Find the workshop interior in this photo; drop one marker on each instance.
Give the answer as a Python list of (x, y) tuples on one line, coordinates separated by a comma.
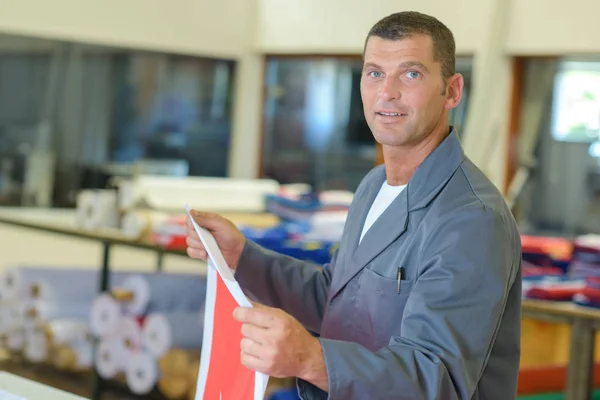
[(115, 115)]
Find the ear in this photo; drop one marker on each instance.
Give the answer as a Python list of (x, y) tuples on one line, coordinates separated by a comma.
[(454, 90)]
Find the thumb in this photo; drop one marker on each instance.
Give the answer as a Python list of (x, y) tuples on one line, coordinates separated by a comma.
[(208, 220), (258, 305)]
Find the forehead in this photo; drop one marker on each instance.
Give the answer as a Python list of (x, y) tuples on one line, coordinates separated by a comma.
[(413, 48)]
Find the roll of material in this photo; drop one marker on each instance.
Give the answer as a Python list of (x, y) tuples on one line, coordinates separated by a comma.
[(126, 198), (97, 209), (15, 339), (165, 293), (142, 373), (130, 333), (165, 331), (178, 361), (75, 357), (67, 332), (36, 346), (203, 193), (55, 285), (105, 315), (51, 284), (11, 316), (110, 359), (174, 386), (37, 312), (139, 224), (193, 379), (3, 294)]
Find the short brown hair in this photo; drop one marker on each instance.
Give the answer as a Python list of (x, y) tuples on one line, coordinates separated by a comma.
[(402, 25)]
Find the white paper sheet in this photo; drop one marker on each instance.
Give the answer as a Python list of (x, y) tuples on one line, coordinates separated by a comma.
[(214, 253), (217, 262), (9, 396)]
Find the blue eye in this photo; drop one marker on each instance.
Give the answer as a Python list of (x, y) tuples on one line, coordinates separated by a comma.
[(375, 74), (413, 74)]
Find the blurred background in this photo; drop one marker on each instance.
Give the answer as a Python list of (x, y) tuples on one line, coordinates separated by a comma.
[(114, 115)]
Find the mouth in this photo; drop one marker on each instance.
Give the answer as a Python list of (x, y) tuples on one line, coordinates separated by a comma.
[(390, 114)]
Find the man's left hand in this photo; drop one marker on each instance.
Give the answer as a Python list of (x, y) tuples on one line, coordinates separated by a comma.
[(276, 344)]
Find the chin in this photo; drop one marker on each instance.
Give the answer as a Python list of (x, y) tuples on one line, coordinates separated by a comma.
[(391, 138)]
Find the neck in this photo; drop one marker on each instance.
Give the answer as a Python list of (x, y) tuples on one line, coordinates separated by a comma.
[(401, 162)]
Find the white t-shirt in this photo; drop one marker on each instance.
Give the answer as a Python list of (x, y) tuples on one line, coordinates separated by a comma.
[(384, 198)]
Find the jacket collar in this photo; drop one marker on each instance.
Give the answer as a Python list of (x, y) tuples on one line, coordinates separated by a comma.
[(427, 181)]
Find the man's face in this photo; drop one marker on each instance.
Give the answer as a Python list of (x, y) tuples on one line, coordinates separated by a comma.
[(402, 90)]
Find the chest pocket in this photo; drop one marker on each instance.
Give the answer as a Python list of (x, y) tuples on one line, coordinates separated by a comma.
[(380, 306)]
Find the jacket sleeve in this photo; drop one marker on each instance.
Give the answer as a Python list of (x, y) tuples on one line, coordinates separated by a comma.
[(297, 287), (452, 314)]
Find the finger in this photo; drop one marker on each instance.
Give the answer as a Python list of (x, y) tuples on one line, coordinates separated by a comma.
[(260, 317), (254, 333), (197, 253), (191, 231), (208, 220), (249, 346), (252, 362), (194, 243)]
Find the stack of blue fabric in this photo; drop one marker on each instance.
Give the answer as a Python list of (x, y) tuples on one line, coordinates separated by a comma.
[(288, 238)]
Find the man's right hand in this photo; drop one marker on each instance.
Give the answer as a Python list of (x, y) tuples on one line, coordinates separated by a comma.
[(229, 238)]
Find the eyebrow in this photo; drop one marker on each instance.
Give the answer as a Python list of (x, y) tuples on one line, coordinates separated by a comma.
[(404, 65), (414, 64)]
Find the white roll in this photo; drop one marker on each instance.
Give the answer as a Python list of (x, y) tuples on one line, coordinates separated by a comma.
[(15, 340), (110, 358), (204, 193), (55, 284), (37, 312), (126, 197), (138, 224), (76, 357), (165, 331), (142, 373), (5, 321), (68, 331), (130, 334), (51, 284), (3, 295), (84, 355), (162, 292), (10, 286), (36, 346), (78, 287), (97, 209), (105, 315), (11, 316)]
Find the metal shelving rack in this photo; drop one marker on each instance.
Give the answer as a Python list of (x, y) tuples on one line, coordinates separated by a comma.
[(107, 239)]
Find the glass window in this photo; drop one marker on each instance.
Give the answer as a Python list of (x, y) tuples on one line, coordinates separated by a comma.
[(560, 117), (314, 130), (172, 107), (576, 104), (87, 111)]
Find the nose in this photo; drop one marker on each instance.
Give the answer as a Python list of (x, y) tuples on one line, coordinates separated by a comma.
[(391, 89)]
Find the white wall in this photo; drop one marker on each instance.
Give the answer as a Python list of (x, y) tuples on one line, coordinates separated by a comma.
[(211, 28), (550, 27), (340, 26)]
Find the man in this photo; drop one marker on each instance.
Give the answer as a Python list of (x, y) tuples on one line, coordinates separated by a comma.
[(422, 299)]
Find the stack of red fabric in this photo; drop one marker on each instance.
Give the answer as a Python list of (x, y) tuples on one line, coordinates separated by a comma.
[(589, 295), (559, 290)]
